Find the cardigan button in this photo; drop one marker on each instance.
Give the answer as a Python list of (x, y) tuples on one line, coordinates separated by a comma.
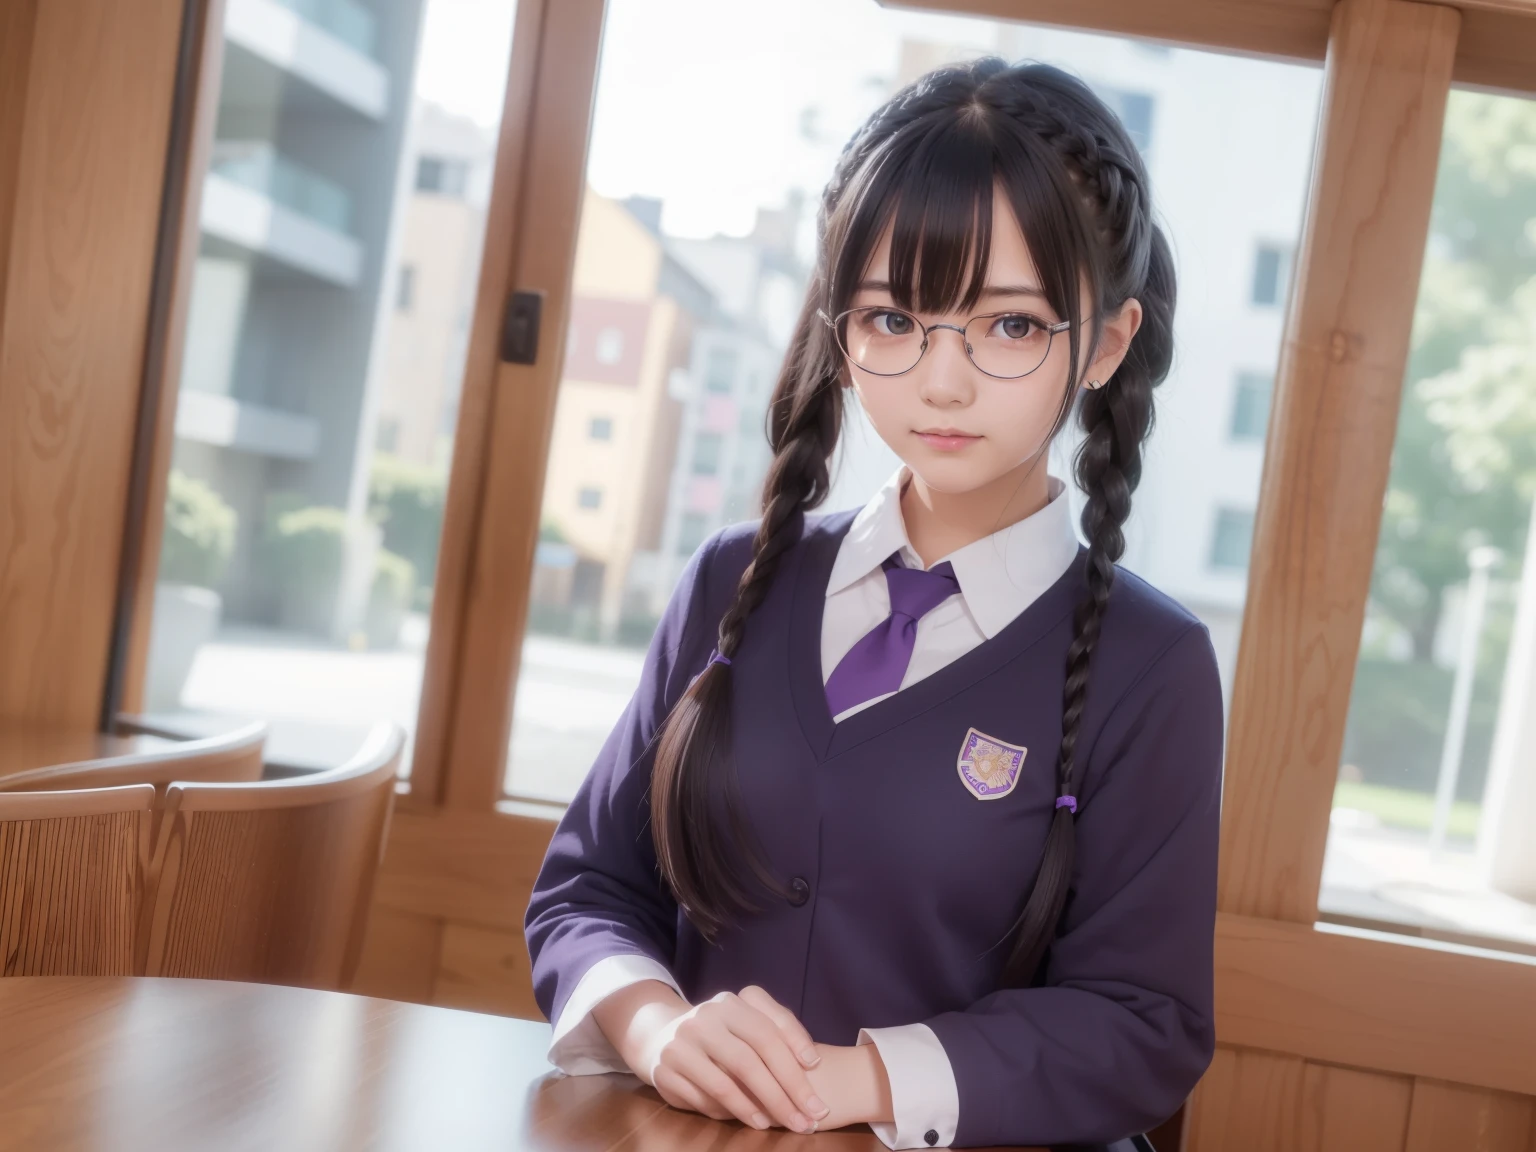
[(930, 1137), (799, 891)]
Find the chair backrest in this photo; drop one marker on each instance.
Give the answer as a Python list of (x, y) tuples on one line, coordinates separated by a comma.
[(272, 881), (72, 880), (230, 756)]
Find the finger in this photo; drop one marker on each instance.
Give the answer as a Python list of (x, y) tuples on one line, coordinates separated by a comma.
[(795, 1033), (680, 1092), (772, 1047), (748, 1068), (700, 1067)]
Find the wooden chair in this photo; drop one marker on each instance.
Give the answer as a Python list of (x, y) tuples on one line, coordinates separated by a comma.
[(232, 756), (72, 880), (272, 881)]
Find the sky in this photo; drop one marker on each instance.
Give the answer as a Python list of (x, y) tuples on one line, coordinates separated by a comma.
[(710, 105)]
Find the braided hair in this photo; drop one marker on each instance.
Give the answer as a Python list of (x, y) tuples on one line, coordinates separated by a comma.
[(925, 165)]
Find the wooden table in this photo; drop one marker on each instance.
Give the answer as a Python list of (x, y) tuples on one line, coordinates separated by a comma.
[(125, 1064), (26, 747)]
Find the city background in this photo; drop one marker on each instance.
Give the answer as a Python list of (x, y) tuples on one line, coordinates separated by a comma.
[(342, 224)]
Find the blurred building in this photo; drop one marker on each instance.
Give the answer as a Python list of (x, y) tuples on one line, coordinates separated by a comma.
[(299, 217), (434, 289)]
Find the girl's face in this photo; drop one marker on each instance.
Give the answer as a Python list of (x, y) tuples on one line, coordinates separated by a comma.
[(954, 426)]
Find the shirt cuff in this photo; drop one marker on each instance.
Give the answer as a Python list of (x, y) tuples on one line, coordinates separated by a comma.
[(925, 1101), (578, 1046)]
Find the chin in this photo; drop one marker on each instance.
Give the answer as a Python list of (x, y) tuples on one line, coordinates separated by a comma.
[(952, 474)]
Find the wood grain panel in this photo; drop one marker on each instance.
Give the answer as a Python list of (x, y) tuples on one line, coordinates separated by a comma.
[(1278, 29), (1368, 1000), (1247, 1100), (487, 971), (1451, 1116), (1345, 1110), (18, 19), (72, 881), (1329, 446), (400, 953), (84, 196), (473, 868)]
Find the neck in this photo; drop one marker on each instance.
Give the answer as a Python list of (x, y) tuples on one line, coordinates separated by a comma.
[(940, 522)]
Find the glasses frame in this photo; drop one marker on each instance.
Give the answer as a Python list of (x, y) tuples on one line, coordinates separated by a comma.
[(1050, 335)]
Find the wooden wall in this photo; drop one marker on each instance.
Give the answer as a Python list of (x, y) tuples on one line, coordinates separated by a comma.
[(86, 90)]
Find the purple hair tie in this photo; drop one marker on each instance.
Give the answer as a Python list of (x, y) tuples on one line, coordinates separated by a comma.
[(715, 657), (1067, 802)]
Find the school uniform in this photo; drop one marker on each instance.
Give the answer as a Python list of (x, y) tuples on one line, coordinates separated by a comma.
[(907, 824)]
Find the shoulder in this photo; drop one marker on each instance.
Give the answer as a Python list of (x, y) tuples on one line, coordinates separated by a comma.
[(724, 556), (1149, 639)]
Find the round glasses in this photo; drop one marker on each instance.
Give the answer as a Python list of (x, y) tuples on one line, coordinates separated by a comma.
[(886, 341)]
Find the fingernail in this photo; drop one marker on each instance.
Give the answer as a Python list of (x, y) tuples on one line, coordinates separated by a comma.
[(759, 1120), (803, 1124), (810, 1058), (817, 1108)]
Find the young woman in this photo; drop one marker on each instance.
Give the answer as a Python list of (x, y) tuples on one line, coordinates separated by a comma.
[(912, 820)]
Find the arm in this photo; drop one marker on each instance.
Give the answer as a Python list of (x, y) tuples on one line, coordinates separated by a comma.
[(598, 904), (1124, 1026), (601, 925)]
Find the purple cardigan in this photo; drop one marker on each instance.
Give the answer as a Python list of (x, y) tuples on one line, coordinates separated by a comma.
[(904, 881)]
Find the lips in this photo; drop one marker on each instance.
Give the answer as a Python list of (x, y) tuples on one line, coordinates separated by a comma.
[(947, 439)]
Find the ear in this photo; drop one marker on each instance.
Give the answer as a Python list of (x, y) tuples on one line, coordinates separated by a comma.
[(1115, 341)]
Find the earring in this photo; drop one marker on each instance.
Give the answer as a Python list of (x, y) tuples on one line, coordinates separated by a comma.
[(1094, 384)]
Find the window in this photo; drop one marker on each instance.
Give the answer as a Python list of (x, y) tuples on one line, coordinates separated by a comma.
[(590, 497), (600, 428), (1232, 540), (610, 346), (1135, 112), (1431, 822), (691, 532), (706, 453), (442, 175), (320, 373), (1250, 405), (1271, 267), (719, 368)]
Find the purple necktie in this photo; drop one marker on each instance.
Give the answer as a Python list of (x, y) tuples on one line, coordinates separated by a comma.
[(877, 663)]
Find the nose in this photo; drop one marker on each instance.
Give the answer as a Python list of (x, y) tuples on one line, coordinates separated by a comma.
[(947, 378)]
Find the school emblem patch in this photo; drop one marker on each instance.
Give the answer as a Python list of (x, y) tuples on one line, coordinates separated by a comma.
[(989, 767)]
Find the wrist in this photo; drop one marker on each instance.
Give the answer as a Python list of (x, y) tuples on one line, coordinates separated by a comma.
[(633, 1018), (853, 1081)]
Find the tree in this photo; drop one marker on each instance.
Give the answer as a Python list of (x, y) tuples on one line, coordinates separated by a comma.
[(1464, 463)]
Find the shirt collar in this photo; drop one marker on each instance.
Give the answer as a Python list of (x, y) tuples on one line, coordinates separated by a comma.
[(999, 575)]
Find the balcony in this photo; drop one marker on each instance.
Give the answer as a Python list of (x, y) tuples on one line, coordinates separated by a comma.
[(326, 44)]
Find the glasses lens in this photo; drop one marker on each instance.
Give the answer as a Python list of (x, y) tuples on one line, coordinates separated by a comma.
[(885, 341), (1010, 344)]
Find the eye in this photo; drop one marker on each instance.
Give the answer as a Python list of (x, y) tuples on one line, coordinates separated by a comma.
[(1016, 326), (889, 323)]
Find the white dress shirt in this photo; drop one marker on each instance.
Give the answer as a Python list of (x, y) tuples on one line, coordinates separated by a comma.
[(999, 576)]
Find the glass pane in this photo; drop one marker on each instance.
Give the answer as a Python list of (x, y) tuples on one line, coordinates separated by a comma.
[(341, 237), (1436, 798), (699, 256)]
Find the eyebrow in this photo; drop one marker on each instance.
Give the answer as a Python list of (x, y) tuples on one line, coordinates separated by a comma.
[(990, 290)]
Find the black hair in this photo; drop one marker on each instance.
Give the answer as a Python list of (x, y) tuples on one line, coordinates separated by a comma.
[(926, 164)]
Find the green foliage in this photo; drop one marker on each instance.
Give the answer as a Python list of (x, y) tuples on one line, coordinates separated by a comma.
[(1396, 728), (1399, 808), (199, 533), (394, 580), (1464, 463), (306, 548), (408, 500)]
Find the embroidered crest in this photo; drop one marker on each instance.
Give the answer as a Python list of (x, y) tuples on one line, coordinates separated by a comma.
[(989, 767)]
